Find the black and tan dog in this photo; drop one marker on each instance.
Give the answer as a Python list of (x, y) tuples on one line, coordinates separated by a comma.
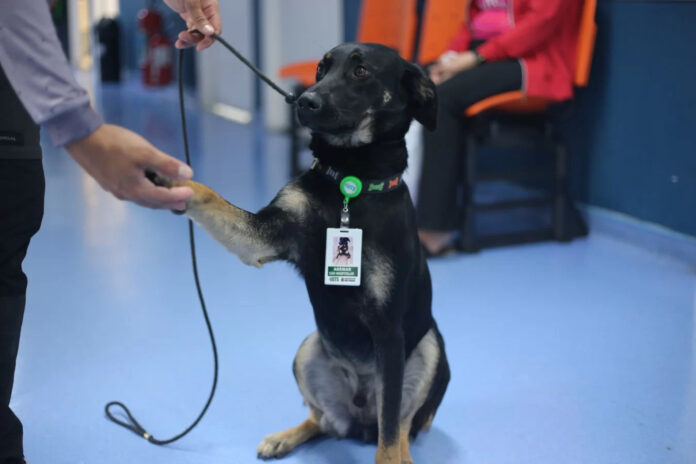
[(376, 367)]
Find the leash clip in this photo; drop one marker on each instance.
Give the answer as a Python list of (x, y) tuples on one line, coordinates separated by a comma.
[(345, 215)]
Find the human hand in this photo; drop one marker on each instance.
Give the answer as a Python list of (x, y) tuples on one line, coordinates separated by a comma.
[(202, 15), (450, 64), (117, 159)]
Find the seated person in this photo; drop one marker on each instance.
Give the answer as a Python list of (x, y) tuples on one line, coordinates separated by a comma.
[(505, 45)]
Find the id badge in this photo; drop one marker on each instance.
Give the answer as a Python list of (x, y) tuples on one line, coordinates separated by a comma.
[(343, 257)]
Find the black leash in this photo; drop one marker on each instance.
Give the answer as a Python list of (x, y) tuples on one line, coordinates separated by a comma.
[(133, 425), (289, 98)]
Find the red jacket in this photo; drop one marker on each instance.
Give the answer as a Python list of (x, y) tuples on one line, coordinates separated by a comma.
[(543, 37)]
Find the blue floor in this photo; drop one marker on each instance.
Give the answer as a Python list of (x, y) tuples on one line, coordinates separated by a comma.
[(560, 353)]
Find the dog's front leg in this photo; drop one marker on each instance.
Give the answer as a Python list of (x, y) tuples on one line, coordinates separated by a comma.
[(389, 350), (255, 238)]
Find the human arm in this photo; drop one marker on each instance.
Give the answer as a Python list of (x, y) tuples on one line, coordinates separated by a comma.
[(36, 67), (458, 57), (531, 31), (452, 63), (118, 158), (462, 40)]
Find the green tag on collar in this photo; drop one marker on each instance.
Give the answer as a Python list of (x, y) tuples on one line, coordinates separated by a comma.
[(350, 187)]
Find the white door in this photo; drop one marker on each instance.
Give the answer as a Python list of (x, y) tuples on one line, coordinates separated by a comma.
[(293, 31), (225, 85)]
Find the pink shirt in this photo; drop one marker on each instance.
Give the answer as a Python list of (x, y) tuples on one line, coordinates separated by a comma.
[(492, 20)]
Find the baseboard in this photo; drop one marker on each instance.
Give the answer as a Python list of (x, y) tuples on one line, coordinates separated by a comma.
[(644, 234)]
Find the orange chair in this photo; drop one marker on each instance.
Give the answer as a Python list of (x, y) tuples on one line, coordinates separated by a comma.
[(389, 22), (441, 21), (512, 119)]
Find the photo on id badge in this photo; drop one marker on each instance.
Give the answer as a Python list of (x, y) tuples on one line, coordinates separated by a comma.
[(343, 251), (343, 257)]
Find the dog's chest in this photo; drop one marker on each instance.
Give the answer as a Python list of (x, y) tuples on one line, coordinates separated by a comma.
[(388, 235)]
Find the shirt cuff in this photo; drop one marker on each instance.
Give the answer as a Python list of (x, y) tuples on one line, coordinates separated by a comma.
[(491, 51), (73, 125)]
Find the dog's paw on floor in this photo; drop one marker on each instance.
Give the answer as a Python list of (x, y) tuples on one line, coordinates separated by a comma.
[(275, 446)]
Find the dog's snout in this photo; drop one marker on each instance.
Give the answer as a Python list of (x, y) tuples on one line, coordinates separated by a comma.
[(309, 101)]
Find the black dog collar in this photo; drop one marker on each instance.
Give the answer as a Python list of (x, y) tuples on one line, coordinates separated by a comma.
[(368, 186)]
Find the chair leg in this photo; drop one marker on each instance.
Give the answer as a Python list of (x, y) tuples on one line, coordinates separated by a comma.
[(560, 203), (469, 244)]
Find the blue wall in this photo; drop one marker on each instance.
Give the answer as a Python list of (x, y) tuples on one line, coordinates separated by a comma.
[(351, 13), (130, 37), (633, 132)]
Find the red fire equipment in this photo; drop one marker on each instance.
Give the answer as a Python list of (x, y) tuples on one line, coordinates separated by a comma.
[(157, 62)]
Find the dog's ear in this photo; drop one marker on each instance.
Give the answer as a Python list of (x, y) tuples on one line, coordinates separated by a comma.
[(422, 95)]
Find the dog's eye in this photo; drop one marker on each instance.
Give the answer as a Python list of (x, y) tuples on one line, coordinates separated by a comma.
[(320, 71), (361, 71)]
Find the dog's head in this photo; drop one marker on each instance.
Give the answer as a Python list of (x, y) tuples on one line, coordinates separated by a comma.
[(366, 93)]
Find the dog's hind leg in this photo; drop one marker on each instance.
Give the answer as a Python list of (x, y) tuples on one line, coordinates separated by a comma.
[(405, 444), (389, 347), (428, 423), (419, 374), (326, 388), (326, 391), (281, 443), (432, 349)]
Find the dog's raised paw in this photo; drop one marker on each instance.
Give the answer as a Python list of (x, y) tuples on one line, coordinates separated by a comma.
[(162, 182), (274, 446)]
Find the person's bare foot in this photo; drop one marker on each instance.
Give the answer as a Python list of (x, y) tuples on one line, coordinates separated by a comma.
[(435, 242)]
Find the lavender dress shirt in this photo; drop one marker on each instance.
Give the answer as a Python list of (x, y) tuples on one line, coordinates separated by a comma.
[(36, 67)]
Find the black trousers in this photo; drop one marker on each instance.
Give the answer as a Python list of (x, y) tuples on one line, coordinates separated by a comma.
[(21, 211), (443, 149)]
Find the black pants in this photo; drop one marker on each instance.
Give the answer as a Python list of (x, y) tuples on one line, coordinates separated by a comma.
[(21, 211), (443, 149)]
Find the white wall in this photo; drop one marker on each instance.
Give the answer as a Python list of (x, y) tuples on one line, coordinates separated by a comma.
[(104, 9), (224, 83), (294, 31), (82, 16), (79, 34)]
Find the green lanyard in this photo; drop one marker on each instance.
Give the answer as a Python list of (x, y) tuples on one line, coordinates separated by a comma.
[(350, 187)]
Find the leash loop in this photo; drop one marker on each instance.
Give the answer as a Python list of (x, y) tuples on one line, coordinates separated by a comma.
[(134, 425)]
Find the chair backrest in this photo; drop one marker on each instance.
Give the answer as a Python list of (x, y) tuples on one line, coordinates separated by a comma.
[(389, 22), (587, 34), (441, 21)]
